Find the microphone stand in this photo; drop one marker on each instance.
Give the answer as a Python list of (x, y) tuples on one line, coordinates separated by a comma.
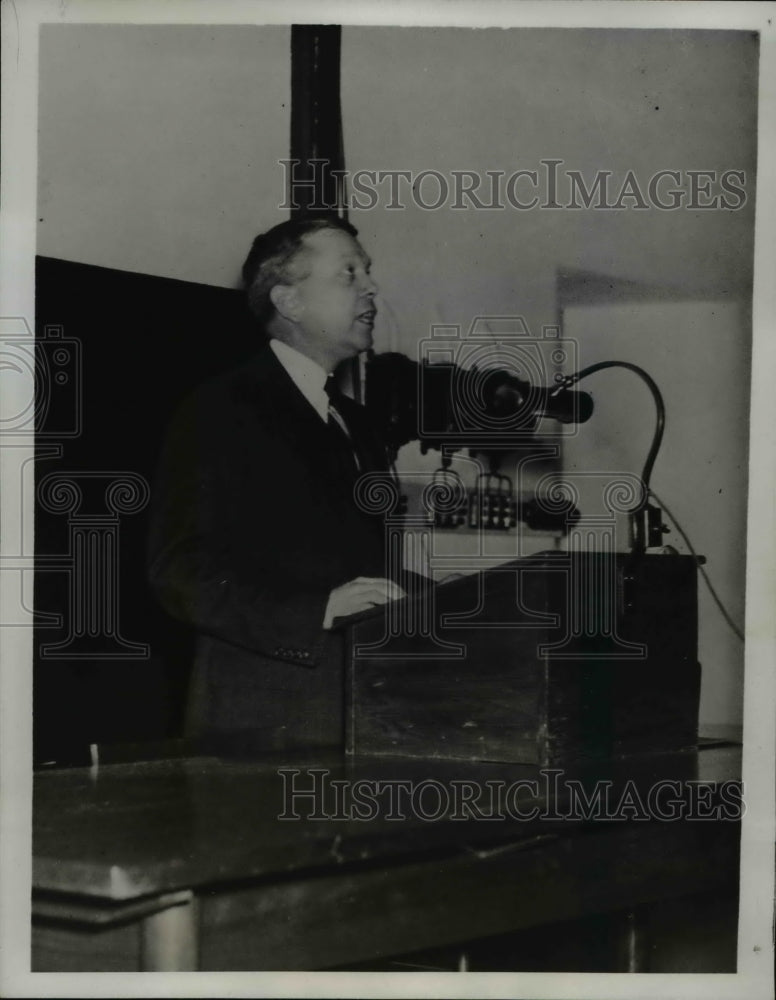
[(645, 519)]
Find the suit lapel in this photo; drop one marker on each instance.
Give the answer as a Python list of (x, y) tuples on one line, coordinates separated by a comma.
[(294, 420)]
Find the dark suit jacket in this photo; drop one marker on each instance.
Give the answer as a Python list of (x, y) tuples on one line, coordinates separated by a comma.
[(253, 525)]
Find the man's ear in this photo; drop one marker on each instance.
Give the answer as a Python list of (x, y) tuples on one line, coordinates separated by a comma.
[(285, 299)]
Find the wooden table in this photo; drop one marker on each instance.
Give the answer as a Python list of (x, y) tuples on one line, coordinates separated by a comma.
[(183, 864)]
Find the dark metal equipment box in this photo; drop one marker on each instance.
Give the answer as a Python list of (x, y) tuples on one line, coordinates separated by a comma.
[(542, 660)]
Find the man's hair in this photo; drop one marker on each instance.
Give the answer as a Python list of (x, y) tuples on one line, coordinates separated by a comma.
[(271, 258)]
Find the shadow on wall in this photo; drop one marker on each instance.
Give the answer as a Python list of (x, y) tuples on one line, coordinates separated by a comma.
[(144, 343)]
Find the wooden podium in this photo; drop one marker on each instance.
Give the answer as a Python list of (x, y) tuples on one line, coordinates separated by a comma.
[(542, 660)]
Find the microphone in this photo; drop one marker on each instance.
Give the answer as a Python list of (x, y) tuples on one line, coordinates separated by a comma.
[(505, 396)]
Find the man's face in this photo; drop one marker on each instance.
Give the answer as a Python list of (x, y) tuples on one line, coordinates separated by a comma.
[(335, 308)]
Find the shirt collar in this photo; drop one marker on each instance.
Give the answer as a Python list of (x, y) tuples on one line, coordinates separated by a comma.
[(306, 374)]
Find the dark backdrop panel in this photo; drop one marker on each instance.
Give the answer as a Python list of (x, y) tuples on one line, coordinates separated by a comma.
[(143, 342)]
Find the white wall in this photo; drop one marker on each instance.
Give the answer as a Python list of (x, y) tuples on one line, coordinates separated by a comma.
[(159, 145), (454, 99), (159, 148)]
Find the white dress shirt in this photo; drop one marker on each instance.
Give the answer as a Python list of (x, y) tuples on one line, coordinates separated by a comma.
[(308, 376)]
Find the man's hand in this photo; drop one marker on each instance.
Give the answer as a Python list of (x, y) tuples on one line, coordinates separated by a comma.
[(360, 594)]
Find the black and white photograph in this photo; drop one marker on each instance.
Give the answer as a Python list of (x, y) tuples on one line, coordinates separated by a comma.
[(388, 572)]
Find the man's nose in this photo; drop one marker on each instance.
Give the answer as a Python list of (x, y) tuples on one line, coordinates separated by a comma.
[(368, 284)]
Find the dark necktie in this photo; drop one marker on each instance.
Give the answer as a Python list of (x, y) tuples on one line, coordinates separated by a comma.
[(339, 427)]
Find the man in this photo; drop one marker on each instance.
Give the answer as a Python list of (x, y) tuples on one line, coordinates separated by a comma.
[(256, 538)]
